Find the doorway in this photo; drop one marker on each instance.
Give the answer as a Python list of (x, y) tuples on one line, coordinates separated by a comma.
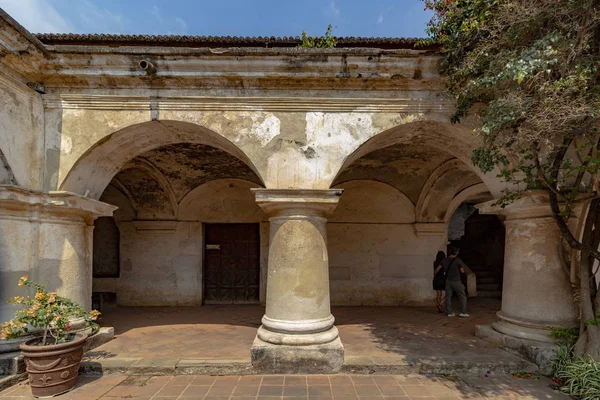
[(232, 263)]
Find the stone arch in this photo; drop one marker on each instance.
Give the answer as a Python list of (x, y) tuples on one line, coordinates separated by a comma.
[(456, 140), (441, 187), (155, 174), (93, 171), (464, 195), (117, 194)]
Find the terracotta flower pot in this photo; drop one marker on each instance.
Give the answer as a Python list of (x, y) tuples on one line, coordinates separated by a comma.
[(53, 369)]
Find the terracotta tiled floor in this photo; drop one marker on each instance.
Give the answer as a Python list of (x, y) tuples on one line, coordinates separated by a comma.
[(334, 387), (227, 332)]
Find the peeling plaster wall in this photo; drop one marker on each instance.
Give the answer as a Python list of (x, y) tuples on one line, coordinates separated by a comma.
[(375, 256), (21, 133), (288, 149)]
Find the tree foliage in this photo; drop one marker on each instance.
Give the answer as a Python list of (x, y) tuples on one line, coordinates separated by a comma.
[(534, 66)]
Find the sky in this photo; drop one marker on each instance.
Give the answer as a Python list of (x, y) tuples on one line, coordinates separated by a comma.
[(379, 18)]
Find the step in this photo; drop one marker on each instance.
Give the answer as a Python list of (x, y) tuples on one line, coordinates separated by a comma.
[(488, 286), (352, 365), (485, 274), (487, 279), (489, 293)]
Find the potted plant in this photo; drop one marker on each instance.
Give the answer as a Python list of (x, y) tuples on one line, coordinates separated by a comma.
[(52, 358)]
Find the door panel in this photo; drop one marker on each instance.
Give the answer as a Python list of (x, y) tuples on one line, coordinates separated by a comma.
[(232, 263)]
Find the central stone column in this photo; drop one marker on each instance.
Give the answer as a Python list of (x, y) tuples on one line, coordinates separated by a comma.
[(297, 332)]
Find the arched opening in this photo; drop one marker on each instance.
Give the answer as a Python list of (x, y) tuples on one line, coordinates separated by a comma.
[(93, 171), (187, 233), (480, 238), (401, 189)]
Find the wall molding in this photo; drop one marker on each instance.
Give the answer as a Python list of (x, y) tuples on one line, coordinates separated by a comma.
[(155, 227), (269, 104)]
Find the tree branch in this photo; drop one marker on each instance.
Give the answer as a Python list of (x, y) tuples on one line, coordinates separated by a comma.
[(554, 202)]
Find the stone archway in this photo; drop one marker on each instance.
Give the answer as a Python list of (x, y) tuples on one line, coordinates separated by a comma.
[(93, 171), (153, 172), (457, 142), (426, 169)]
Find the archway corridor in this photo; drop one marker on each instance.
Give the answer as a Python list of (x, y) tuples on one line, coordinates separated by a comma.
[(394, 215)]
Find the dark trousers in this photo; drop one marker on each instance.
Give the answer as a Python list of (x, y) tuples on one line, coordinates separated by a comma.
[(459, 288)]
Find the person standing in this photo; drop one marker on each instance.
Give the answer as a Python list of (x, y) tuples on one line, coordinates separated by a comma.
[(439, 280), (454, 266)]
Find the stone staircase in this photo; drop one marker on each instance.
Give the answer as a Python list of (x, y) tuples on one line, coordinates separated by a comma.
[(489, 283)]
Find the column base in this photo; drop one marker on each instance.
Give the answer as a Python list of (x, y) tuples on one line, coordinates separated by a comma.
[(298, 339), (526, 329), (285, 359)]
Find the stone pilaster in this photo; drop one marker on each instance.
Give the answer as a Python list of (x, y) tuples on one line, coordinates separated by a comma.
[(297, 332), (47, 236), (536, 293)]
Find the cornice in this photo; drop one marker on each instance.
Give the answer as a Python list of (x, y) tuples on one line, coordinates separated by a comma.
[(268, 104)]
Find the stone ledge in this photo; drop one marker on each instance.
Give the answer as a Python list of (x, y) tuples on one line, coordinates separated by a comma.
[(11, 380), (104, 335), (393, 365), (166, 366), (539, 353), (11, 363), (242, 366)]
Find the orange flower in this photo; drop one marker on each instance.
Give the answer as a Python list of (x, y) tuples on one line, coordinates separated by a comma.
[(51, 297), (18, 299), (23, 279), (40, 296), (94, 314)]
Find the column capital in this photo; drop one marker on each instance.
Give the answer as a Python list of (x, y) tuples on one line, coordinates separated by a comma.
[(532, 204), (289, 202), (19, 201)]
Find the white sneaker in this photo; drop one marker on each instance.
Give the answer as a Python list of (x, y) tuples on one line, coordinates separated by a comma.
[(452, 315), (464, 315)]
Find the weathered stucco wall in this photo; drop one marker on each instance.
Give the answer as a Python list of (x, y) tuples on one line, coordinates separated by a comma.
[(285, 149), (21, 135), (223, 200), (161, 263), (376, 257), (165, 257)]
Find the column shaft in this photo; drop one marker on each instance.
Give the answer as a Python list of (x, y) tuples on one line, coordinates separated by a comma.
[(298, 325), (536, 294)]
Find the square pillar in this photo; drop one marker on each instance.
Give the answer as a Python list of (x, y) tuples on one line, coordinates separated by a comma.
[(297, 332), (47, 236)]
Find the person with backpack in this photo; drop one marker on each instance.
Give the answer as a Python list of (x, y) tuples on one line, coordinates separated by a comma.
[(453, 267), (439, 281)]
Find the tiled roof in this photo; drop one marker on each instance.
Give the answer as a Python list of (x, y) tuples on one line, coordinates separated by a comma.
[(214, 41)]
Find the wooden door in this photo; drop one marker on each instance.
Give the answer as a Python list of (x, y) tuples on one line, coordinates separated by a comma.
[(232, 263)]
